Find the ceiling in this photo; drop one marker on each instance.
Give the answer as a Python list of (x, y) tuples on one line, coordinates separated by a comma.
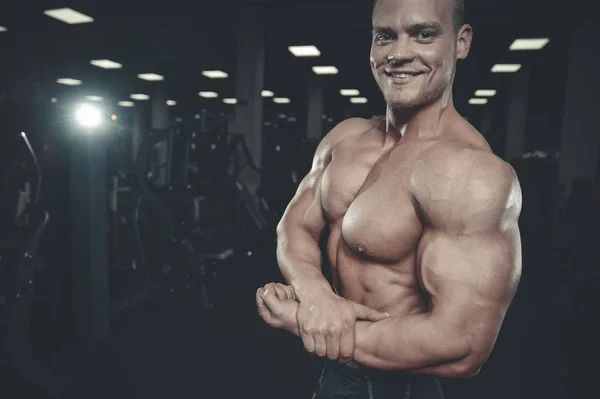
[(181, 39)]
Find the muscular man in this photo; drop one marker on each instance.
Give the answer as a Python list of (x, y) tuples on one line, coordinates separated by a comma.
[(423, 240)]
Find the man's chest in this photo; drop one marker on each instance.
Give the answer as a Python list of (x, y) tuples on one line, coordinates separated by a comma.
[(366, 193)]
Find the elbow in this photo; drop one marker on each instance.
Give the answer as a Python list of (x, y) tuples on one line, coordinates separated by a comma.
[(466, 369), (469, 366), (473, 353)]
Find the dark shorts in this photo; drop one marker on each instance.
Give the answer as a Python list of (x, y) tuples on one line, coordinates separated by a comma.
[(342, 381)]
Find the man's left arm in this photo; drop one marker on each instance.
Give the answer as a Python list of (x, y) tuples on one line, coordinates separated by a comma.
[(469, 260)]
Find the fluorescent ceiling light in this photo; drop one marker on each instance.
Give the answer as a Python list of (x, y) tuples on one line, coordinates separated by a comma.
[(151, 77), (215, 74), (230, 101), (506, 67), (171, 103), (281, 100), (208, 94), (478, 101), (69, 81), (358, 100), (94, 98), (141, 97), (325, 70), (69, 16), (267, 93), (126, 103), (304, 51), (349, 92), (3, 29), (485, 93), (529, 44), (106, 64)]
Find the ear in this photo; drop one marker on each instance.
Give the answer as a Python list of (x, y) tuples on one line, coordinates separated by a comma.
[(463, 41)]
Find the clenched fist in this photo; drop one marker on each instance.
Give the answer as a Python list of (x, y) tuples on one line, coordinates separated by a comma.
[(327, 324)]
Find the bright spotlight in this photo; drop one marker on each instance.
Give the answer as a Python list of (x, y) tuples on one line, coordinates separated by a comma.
[(88, 115)]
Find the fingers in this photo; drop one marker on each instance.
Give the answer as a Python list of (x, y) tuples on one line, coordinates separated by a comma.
[(309, 342), (320, 345), (263, 310), (272, 301), (280, 291), (283, 292), (366, 313), (260, 303), (347, 343), (290, 292), (333, 346)]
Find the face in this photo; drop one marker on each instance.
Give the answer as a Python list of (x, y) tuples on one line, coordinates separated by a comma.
[(419, 36)]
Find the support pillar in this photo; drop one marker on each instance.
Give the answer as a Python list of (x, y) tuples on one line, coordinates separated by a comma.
[(138, 131), (580, 141), (160, 120), (248, 119), (89, 227), (516, 122), (316, 108)]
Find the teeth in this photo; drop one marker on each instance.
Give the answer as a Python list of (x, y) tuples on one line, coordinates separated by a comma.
[(402, 75)]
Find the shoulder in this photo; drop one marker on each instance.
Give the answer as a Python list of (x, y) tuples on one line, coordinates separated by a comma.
[(347, 128), (457, 178), (343, 131), (463, 163)]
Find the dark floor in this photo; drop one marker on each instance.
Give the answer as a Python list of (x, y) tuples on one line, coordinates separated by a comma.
[(168, 348)]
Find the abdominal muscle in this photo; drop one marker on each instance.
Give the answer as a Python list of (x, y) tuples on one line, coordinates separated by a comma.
[(390, 288)]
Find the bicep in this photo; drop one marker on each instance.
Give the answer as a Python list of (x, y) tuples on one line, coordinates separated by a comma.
[(471, 279)]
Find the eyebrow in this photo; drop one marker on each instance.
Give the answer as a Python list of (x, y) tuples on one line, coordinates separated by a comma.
[(413, 27)]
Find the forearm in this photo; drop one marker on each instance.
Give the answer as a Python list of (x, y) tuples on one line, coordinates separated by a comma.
[(413, 344), (410, 344), (299, 259)]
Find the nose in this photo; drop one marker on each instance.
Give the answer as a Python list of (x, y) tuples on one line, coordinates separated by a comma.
[(401, 52)]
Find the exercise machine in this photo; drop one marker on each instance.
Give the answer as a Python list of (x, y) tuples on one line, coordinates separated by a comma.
[(23, 221), (152, 222)]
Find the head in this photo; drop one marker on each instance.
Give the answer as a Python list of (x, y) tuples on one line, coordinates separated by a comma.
[(415, 47)]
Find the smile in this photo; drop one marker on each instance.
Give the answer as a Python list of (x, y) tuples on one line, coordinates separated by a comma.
[(402, 76)]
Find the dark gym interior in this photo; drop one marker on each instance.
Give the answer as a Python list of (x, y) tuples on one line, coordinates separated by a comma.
[(149, 149)]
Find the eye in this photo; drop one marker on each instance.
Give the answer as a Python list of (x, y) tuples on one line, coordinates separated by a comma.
[(425, 35), (382, 37)]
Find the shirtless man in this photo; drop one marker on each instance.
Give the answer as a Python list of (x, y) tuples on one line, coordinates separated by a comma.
[(423, 241)]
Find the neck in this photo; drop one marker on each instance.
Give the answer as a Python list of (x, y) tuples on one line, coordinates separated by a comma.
[(419, 122)]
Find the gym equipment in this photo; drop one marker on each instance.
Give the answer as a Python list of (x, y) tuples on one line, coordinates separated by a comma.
[(178, 224), (287, 159), (23, 220), (151, 225)]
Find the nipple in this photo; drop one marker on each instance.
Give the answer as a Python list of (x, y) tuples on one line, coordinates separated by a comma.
[(361, 248)]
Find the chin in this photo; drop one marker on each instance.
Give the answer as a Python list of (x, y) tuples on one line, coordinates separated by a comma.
[(403, 102), (410, 100)]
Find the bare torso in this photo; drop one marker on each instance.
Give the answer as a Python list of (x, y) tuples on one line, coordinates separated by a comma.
[(374, 222)]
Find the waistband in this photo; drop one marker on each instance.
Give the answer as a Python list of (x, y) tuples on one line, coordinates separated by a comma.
[(359, 371)]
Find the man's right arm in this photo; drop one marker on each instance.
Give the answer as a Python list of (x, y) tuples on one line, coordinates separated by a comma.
[(325, 320), (298, 232)]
